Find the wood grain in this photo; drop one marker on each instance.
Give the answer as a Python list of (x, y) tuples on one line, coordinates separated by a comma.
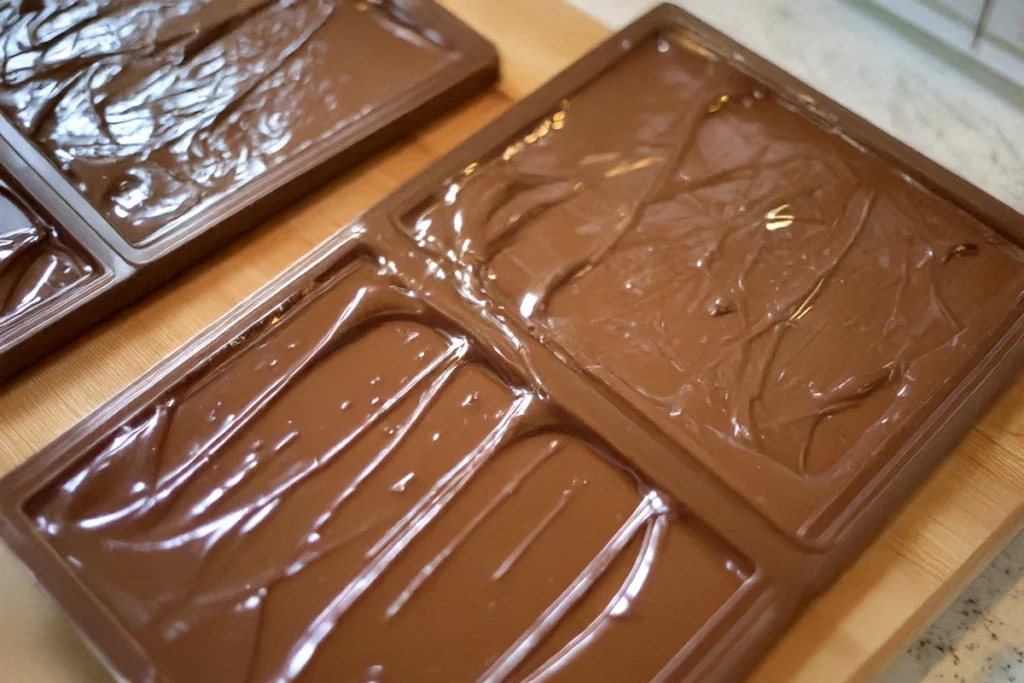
[(966, 513)]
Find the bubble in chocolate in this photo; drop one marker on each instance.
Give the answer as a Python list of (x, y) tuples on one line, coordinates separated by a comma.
[(964, 249), (719, 306)]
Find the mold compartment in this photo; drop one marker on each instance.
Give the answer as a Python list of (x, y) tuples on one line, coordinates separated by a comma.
[(771, 293), (357, 490)]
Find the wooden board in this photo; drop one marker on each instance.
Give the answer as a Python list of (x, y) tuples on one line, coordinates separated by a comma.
[(947, 533)]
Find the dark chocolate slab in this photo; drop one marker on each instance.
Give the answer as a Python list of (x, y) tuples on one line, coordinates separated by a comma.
[(167, 128), (609, 393)]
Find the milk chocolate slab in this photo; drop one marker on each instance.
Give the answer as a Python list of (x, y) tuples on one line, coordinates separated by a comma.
[(50, 271), (608, 393), (36, 262), (356, 488), (158, 110), (777, 297), (167, 128)]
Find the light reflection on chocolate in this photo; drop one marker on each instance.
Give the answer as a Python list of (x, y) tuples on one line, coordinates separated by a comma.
[(779, 300), (359, 493), (35, 264), (155, 109)]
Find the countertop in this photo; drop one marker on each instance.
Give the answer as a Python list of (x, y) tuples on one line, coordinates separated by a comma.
[(964, 118), (980, 638)]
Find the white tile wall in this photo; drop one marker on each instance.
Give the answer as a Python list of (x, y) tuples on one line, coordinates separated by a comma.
[(995, 41)]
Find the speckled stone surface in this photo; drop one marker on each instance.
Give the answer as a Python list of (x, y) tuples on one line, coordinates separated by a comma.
[(965, 119), (980, 638)]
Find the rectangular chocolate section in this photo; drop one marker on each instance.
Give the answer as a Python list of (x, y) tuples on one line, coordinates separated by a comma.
[(37, 261), (358, 492), (157, 111), (162, 130), (783, 302)]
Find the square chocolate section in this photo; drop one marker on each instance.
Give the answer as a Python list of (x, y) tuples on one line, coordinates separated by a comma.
[(159, 131), (782, 301), (356, 490)]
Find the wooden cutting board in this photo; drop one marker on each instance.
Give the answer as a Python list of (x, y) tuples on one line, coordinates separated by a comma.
[(965, 515)]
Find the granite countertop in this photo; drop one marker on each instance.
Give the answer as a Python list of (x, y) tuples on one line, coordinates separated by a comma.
[(967, 120), (980, 638)]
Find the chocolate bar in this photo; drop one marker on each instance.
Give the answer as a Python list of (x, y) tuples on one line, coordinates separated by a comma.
[(169, 128), (608, 393)]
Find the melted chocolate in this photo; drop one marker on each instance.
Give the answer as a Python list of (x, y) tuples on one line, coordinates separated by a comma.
[(35, 264), (661, 364), (775, 296), (156, 110), (426, 518)]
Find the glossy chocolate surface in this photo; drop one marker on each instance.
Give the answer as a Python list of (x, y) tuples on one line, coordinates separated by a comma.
[(610, 393), (776, 296), (36, 264), (423, 519), (155, 109), (156, 131)]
